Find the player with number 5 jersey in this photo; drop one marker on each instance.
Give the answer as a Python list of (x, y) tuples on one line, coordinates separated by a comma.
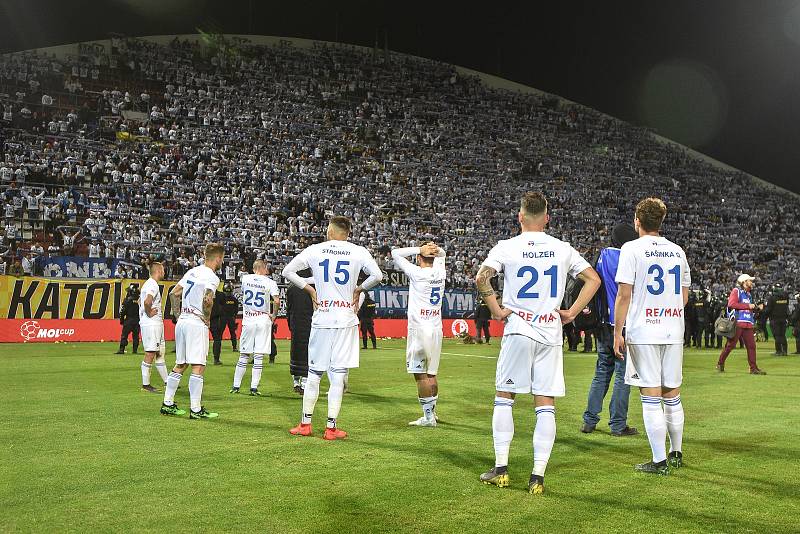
[(535, 267), (654, 279), (333, 344), (426, 282)]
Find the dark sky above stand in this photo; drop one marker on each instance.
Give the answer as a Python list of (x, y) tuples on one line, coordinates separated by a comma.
[(721, 76)]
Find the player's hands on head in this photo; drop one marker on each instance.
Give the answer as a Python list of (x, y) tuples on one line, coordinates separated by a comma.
[(428, 250), (619, 346)]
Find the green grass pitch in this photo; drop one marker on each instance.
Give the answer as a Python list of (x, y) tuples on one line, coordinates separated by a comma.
[(82, 448)]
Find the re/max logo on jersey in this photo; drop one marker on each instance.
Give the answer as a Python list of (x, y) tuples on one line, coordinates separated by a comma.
[(429, 313), (663, 312), (334, 304), (533, 318)]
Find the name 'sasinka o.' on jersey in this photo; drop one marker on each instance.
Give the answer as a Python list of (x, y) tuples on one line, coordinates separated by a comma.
[(535, 267), (335, 266), (657, 269), (195, 283), (150, 288), (257, 293), (425, 288)]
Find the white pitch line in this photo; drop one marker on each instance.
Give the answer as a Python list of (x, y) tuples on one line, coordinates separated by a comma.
[(470, 355)]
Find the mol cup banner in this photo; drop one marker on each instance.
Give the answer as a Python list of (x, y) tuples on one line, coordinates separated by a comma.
[(64, 298)]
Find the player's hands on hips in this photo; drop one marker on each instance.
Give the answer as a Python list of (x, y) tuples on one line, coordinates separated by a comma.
[(566, 316), (503, 315), (619, 346), (356, 294), (312, 292)]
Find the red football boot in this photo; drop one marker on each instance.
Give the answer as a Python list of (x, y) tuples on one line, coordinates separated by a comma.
[(301, 430), (334, 433)]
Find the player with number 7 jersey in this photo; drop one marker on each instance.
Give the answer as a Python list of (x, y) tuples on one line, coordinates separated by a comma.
[(333, 344)]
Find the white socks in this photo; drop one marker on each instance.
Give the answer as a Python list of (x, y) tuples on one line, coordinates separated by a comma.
[(656, 426), (195, 391), (161, 367), (258, 365), (146, 373), (310, 394), (241, 367), (428, 406), (502, 429), (544, 435), (173, 381), (673, 414), (335, 393)]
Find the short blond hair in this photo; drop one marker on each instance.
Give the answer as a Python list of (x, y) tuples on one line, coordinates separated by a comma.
[(651, 212), (259, 265), (533, 204), (342, 223), (213, 250), (154, 266)]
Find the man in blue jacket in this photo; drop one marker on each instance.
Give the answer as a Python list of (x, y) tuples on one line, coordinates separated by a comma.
[(607, 364)]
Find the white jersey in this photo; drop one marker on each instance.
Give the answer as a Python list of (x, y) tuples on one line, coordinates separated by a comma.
[(335, 266), (257, 293), (657, 269), (535, 267), (195, 283), (425, 288), (150, 288)]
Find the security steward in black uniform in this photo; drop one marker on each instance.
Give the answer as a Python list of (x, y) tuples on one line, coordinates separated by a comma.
[(223, 314), (794, 320), (366, 319), (129, 319), (700, 318), (482, 316), (777, 312), (715, 308), (299, 310)]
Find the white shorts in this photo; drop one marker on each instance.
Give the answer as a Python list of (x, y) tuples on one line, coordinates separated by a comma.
[(191, 343), (152, 337), (256, 338), (423, 350), (527, 366), (333, 348), (653, 366)]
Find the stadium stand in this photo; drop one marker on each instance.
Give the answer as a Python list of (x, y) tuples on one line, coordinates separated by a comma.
[(138, 149)]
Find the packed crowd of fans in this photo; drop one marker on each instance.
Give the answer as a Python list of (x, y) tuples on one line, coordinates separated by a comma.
[(149, 151)]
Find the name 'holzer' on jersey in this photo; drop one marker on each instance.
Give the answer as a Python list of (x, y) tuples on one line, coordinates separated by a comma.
[(533, 254)]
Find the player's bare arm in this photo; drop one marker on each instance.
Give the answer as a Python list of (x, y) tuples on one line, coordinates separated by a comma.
[(276, 304), (176, 297), (148, 306), (483, 281), (621, 306), (208, 303), (685, 294), (591, 283)]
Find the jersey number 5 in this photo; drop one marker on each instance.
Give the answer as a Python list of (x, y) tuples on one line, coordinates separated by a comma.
[(342, 274)]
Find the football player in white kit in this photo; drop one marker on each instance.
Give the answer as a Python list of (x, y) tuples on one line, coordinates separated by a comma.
[(535, 267), (426, 282), (654, 279), (192, 299), (258, 292), (333, 344), (151, 322)]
